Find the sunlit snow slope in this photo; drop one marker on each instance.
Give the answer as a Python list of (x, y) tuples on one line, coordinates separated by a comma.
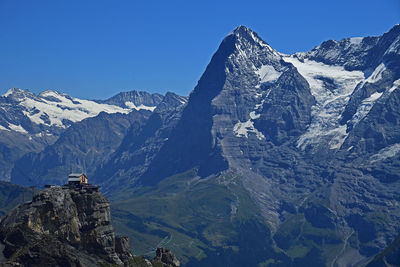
[(51, 109)]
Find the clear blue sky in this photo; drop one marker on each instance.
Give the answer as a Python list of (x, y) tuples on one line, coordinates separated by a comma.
[(95, 49)]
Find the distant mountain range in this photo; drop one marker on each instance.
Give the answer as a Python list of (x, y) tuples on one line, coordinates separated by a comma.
[(30, 123), (25, 112), (273, 160)]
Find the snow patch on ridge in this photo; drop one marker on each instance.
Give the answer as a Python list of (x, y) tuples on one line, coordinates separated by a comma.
[(131, 105), (330, 103), (356, 40), (57, 109), (17, 128), (365, 107), (377, 74), (242, 129), (9, 92), (62, 107), (4, 128), (262, 43), (48, 93), (396, 84), (339, 135), (387, 152), (394, 47), (254, 116), (367, 104), (267, 73)]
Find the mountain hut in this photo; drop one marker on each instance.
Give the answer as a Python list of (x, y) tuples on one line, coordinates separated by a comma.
[(77, 179)]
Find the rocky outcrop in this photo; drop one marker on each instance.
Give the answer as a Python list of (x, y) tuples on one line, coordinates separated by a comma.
[(60, 226), (122, 248), (166, 257), (65, 227)]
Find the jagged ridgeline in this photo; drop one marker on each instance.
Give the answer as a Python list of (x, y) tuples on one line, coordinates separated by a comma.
[(84, 144), (273, 160)]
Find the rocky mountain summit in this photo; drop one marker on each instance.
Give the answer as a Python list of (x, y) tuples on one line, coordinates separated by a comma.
[(67, 227), (312, 137), (134, 99)]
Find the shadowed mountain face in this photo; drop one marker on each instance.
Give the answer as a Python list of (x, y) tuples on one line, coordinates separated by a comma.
[(84, 146), (301, 149), (228, 99), (141, 144)]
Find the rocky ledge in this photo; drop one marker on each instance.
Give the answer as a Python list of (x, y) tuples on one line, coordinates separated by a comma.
[(68, 227)]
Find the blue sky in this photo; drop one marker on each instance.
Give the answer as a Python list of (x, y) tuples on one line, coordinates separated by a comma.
[(95, 49)]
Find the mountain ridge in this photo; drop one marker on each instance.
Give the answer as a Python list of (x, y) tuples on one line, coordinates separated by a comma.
[(30, 122), (296, 156)]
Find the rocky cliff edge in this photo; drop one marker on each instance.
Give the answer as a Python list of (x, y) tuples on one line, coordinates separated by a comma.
[(66, 227)]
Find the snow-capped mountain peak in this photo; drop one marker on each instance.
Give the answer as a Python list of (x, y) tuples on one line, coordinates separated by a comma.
[(26, 112), (55, 108), (17, 93), (244, 37)]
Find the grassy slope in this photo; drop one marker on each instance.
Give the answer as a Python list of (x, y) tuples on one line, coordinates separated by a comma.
[(204, 222), (214, 222)]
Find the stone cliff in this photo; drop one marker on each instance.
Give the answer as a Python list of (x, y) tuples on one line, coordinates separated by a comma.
[(64, 227)]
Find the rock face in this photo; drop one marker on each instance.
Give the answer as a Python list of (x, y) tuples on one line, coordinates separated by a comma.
[(64, 227), (61, 225), (122, 248), (165, 256)]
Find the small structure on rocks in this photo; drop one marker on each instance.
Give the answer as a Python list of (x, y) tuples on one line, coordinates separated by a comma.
[(80, 181), (77, 179)]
